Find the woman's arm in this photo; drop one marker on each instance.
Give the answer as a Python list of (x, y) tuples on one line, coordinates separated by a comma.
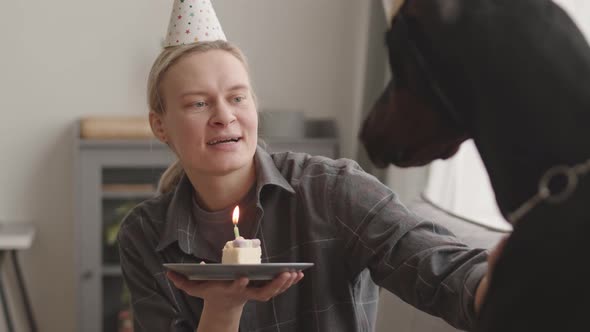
[(214, 320), (416, 259), (224, 301)]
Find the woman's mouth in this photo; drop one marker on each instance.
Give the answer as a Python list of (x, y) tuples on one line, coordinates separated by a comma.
[(224, 140)]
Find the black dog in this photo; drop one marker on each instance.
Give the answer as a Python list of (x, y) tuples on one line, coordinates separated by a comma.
[(514, 75)]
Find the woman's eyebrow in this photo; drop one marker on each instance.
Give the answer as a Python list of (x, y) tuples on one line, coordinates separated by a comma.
[(238, 87), (193, 93), (203, 93)]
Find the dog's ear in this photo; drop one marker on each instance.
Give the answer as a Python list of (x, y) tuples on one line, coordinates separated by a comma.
[(396, 40), (391, 8), (413, 61)]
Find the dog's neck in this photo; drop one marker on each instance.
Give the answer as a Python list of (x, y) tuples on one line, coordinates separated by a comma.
[(526, 105), (518, 144)]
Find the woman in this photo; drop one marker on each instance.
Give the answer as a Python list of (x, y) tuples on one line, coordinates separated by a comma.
[(302, 208)]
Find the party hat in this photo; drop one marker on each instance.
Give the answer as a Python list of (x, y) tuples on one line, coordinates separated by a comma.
[(193, 21)]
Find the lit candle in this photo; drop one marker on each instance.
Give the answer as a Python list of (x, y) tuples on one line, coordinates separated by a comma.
[(234, 219)]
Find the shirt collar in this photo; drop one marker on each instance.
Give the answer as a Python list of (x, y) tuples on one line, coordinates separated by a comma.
[(180, 226), (267, 173)]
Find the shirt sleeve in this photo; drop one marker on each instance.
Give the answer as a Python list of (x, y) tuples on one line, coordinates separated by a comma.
[(416, 259), (155, 303)]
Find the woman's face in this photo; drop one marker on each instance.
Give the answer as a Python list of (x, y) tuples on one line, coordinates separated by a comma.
[(210, 117)]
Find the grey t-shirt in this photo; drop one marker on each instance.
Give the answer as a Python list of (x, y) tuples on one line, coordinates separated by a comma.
[(217, 228), (307, 209)]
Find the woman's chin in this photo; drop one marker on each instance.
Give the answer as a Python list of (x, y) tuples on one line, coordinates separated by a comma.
[(226, 163)]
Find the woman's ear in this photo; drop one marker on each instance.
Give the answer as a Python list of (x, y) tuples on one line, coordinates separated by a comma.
[(157, 124)]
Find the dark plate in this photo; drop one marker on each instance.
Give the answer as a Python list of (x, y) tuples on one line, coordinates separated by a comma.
[(265, 271)]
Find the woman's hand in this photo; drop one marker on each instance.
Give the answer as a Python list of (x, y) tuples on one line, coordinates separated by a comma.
[(482, 288), (227, 295), (224, 300)]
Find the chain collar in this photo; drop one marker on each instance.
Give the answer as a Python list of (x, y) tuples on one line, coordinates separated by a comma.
[(571, 173)]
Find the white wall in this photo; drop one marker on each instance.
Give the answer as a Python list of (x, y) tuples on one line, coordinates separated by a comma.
[(60, 60), (579, 11), (305, 55), (63, 59)]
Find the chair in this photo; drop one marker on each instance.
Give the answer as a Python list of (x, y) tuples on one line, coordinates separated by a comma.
[(14, 237)]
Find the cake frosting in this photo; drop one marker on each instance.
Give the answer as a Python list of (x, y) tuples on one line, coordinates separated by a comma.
[(241, 251)]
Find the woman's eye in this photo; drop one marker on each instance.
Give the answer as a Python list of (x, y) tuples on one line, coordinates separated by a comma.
[(239, 99), (200, 104)]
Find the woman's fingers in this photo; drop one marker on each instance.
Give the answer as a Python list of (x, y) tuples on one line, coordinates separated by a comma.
[(291, 282), (236, 289), (287, 283), (239, 285), (299, 276), (279, 285), (269, 290)]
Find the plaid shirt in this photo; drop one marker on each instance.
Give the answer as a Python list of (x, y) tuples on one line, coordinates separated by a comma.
[(306, 209)]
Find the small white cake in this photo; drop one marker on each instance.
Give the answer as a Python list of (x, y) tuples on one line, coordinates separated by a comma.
[(241, 251)]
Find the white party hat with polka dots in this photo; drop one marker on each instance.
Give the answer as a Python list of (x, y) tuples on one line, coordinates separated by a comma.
[(193, 21)]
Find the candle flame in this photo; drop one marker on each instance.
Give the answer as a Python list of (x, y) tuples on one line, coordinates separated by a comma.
[(236, 215)]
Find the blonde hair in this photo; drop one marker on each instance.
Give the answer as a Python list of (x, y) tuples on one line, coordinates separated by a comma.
[(167, 58)]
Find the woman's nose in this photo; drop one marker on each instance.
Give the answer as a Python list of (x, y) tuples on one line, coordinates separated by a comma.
[(223, 115)]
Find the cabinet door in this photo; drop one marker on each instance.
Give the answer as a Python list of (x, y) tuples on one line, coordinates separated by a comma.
[(88, 229), (123, 188), (120, 172)]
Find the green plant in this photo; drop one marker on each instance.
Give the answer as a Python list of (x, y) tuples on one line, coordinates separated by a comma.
[(111, 233), (120, 213), (125, 297)]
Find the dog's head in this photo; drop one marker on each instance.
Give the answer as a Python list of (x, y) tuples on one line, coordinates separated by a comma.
[(412, 123)]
